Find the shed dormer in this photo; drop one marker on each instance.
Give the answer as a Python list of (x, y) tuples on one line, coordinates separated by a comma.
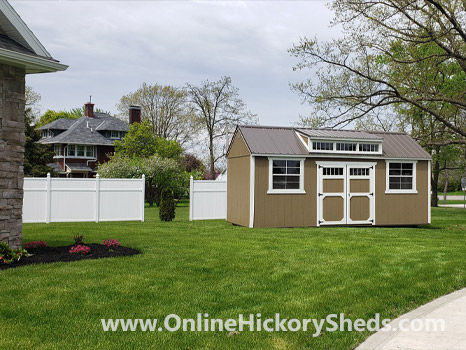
[(340, 141)]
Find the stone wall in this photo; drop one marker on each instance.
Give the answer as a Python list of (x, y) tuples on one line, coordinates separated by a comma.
[(12, 139)]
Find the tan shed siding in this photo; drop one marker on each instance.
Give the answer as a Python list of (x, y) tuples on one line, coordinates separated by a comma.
[(401, 209), (238, 165), (284, 210), (238, 147)]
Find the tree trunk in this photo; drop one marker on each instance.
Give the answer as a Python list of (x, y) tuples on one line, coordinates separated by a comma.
[(445, 188), (435, 174), (212, 159)]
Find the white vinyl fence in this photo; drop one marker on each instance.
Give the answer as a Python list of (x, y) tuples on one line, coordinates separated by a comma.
[(71, 200), (207, 199)]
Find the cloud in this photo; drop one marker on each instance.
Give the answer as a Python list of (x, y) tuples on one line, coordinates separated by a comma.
[(114, 46)]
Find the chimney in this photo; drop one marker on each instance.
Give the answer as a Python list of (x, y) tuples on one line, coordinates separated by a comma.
[(89, 110), (134, 114)]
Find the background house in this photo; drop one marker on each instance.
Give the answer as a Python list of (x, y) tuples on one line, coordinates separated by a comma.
[(288, 177), (21, 53), (81, 144)]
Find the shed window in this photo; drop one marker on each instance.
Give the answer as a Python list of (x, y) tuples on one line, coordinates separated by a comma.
[(322, 146), (359, 171), (114, 134), (401, 177), (332, 171), (368, 147), (349, 147), (286, 176)]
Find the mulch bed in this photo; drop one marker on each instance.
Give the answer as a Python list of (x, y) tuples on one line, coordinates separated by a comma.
[(46, 255)]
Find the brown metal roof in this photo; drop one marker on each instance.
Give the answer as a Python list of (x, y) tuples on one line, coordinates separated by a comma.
[(339, 134), (398, 145), (272, 140), (284, 141)]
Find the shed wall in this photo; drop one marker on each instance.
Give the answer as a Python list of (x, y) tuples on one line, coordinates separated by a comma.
[(296, 210), (402, 209), (238, 165), (284, 210)]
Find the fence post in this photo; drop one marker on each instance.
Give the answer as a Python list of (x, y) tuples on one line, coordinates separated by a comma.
[(191, 190), (143, 196), (97, 198), (48, 199)]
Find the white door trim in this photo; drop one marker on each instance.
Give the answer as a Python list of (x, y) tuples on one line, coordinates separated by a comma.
[(346, 190), (370, 194), (321, 195)]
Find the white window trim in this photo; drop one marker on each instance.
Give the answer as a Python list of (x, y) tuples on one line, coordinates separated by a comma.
[(334, 151), (113, 137), (387, 177), (301, 176), (85, 151)]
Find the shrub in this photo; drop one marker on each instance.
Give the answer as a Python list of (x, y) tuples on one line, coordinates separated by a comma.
[(35, 244), (111, 243), (78, 239), (167, 205), (80, 249), (8, 255)]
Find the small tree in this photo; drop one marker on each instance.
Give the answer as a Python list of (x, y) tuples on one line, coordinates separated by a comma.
[(167, 205)]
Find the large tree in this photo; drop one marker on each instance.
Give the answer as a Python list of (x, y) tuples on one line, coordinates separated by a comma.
[(140, 142), (219, 109), (374, 68), (166, 108), (36, 155)]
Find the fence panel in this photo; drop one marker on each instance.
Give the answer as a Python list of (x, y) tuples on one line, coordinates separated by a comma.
[(72, 200), (207, 200)]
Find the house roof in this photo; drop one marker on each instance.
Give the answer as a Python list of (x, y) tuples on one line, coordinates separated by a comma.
[(78, 167), (85, 130), (269, 140), (20, 47), (59, 124)]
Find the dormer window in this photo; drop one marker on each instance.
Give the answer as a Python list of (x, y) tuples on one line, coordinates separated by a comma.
[(322, 146), (47, 134), (115, 134), (344, 146)]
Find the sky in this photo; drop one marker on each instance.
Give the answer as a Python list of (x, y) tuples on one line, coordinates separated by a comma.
[(112, 47)]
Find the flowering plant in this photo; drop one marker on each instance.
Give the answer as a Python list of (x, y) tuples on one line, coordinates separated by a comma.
[(35, 244), (8, 255), (111, 243), (80, 249)]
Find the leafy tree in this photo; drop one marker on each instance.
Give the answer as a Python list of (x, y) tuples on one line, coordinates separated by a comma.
[(160, 173), (167, 205), (379, 63), (166, 108), (32, 99), (191, 163), (219, 109), (141, 142), (50, 116), (36, 155)]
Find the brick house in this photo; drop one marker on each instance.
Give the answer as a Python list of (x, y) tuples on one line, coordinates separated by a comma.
[(81, 144), (21, 53)]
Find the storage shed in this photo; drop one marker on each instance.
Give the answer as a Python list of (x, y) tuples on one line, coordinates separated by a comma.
[(293, 177)]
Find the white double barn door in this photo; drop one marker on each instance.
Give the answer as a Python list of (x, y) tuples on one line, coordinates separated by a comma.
[(345, 193)]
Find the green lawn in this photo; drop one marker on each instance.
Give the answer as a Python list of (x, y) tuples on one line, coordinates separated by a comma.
[(455, 201), (214, 267), (456, 193)]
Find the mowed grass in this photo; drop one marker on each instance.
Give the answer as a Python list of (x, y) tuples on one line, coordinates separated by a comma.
[(223, 270)]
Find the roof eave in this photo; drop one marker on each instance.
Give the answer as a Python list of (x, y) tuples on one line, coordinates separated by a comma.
[(31, 64)]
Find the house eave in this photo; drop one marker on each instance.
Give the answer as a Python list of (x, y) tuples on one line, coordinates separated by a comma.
[(31, 64)]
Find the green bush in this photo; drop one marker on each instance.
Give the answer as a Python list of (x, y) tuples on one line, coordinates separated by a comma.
[(8, 255), (167, 205)]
